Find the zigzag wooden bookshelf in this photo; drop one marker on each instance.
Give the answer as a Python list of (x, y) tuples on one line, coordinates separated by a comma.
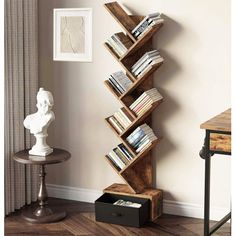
[(138, 174)]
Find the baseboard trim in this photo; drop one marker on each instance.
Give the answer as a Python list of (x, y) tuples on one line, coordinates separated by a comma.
[(170, 207)]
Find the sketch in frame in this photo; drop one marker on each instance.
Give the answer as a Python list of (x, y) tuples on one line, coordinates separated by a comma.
[(72, 34)]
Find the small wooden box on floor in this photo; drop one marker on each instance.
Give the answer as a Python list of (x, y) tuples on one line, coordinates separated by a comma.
[(154, 195)]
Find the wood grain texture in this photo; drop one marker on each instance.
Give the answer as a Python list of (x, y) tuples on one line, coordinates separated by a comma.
[(81, 221), (154, 195), (125, 21), (138, 174), (221, 122), (220, 142)]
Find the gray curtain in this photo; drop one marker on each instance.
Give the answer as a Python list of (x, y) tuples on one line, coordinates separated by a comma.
[(21, 85)]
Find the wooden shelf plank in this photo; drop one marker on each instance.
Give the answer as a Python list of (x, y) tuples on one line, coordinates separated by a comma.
[(107, 46), (112, 165), (136, 81), (124, 20), (154, 195), (141, 41), (109, 86)]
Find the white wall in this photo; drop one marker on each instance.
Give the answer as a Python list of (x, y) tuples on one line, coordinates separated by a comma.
[(194, 80)]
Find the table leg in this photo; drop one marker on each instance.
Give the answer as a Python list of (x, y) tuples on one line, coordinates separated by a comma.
[(207, 196), (43, 214), (206, 155)]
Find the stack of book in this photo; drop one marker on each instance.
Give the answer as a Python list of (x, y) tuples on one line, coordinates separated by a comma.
[(120, 120), (120, 82), (120, 156), (120, 43), (145, 101), (141, 138), (146, 62), (149, 21)]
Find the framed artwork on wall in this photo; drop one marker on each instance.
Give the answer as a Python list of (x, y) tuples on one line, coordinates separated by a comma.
[(72, 34)]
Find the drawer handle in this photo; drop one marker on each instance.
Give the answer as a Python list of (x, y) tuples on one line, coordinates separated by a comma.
[(116, 214)]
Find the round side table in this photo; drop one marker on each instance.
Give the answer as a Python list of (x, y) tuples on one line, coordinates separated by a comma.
[(43, 214)]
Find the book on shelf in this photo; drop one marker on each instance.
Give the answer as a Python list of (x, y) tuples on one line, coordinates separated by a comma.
[(114, 163), (120, 43), (120, 82), (116, 159), (141, 138), (127, 153), (148, 21), (120, 156), (144, 101), (120, 120), (146, 62), (149, 67), (115, 124)]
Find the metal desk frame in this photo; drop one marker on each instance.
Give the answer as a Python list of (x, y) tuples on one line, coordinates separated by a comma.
[(206, 154)]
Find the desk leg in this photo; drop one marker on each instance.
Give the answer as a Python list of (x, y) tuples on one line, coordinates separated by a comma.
[(207, 195), (206, 155), (43, 214)]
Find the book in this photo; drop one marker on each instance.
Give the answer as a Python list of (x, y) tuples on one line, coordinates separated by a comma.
[(111, 78), (142, 66), (151, 22), (149, 67), (122, 79), (143, 95), (113, 45), (150, 135), (137, 135), (144, 146), (148, 99), (117, 160), (143, 58), (115, 124), (121, 120), (143, 22), (121, 156), (125, 150), (114, 163), (126, 115), (115, 88)]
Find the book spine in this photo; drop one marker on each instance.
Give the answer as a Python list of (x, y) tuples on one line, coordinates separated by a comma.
[(117, 159), (119, 44), (123, 153), (126, 151), (159, 60), (114, 47), (115, 124), (114, 85), (145, 64), (113, 162), (121, 156), (120, 119), (123, 114), (117, 84)]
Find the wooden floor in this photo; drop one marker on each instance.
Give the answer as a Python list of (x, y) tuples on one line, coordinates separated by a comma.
[(80, 221)]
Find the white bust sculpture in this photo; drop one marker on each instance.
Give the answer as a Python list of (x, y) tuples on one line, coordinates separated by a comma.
[(38, 123)]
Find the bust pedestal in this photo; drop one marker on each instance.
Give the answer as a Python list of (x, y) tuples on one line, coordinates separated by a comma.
[(42, 214)]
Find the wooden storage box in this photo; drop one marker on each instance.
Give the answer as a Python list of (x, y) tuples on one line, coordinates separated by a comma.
[(106, 212)]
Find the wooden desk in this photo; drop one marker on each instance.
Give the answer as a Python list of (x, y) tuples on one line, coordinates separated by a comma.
[(43, 214), (217, 141)]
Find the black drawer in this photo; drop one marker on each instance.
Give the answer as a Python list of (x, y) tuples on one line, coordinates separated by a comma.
[(129, 216)]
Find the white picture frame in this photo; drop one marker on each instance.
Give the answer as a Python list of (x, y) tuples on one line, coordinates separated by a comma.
[(72, 34)]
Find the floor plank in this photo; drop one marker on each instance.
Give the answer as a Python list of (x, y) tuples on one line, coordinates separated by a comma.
[(80, 221)]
